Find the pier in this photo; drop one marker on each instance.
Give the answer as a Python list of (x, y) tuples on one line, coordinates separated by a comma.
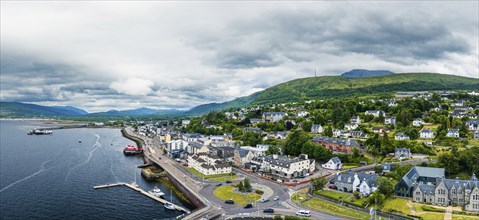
[(133, 187)]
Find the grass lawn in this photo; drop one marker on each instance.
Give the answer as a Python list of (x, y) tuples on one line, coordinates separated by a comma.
[(397, 204), (358, 202), (213, 178), (226, 192), (298, 197), (334, 209), (462, 217), (431, 216), (349, 166), (333, 194)]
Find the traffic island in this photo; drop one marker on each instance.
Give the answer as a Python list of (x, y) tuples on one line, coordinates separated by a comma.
[(240, 198)]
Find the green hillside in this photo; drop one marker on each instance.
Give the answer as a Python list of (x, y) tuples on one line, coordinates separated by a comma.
[(336, 86), (235, 103)]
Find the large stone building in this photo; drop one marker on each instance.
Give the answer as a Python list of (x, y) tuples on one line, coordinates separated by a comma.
[(284, 166), (449, 192), (362, 182), (336, 144), (208, 165)]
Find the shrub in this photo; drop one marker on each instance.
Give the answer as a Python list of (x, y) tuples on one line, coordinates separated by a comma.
[(259, 192), (278, 217)]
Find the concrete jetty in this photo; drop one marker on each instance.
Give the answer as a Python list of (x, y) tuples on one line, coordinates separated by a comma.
[(133, 187)]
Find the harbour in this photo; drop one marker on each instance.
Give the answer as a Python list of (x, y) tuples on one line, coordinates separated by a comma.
[(38, 167)]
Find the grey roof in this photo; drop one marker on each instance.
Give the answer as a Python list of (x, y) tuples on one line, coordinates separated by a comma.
[(427, 189), (243, 152), (274, 113), (344, 142), (336, 160), (417, 172), (427, 131)]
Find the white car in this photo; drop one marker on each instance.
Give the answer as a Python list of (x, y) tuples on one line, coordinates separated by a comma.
[(276, 198), (303, 213)]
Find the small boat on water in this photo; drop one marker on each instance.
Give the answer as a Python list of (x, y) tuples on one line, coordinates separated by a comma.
[(79, 141), (169, 206), (156, 192)]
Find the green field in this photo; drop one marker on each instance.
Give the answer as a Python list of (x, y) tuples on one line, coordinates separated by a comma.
[(333, 194), (226, 192), (397, 204), (299, 197), (213, 178), (431, 216), (462, 217), (334, 209)]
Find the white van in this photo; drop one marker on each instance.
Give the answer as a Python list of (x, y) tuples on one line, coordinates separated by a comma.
[(303, 213)]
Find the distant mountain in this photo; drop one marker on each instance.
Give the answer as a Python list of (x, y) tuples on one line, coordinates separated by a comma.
[(72, 109), (133, 113), (18, 109), (336, 86), (361, 73), (235, 103)]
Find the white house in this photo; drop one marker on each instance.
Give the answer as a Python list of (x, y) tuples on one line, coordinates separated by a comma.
[(316, 128), (301, 114), (333, 164), (273, 116), (356, 120), (473, 124), (426, 134), (374, 113), (476, 135), (402, 153), (362, 182), (350, 126), (185, 123), (208, 165), (418, 122), (452, 133), (401, 137), (390, 120), (284, 166)]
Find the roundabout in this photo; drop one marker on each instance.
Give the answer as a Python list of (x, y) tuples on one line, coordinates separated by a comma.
[(231, 192)]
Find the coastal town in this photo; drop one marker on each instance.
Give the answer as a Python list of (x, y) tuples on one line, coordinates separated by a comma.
[(378, 158)]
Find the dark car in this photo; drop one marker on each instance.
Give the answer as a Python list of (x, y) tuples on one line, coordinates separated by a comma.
[(219, 184), (228, 181), (248, 206), (229, 201), (268, 210)]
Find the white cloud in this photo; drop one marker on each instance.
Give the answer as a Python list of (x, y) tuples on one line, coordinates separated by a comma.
[(133, 86), (98, 55)]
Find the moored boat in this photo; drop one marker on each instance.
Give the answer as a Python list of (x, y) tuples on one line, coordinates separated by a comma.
[(132, 150), (156, 192), (169, 206)]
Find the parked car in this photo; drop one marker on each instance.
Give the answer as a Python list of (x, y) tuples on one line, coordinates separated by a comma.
[(219, 184), (264, 200), (228, 181), (303, 213), (248, 206), (276, 198), (229, 201), (178, 159), (295, 181), (268, 210)]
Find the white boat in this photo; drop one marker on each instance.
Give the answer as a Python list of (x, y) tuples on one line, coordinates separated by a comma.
[(169, 206), (156, 192)]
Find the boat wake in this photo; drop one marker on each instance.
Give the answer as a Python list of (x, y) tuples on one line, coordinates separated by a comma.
[(90, 154), (42, 169)]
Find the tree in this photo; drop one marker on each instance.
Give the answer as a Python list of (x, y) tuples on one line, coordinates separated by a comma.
[(272, 150), (377, 198), (294, 142), (378, 169), (319, 183), (247, 185), (328, 131), (240, 186), (385, 186)]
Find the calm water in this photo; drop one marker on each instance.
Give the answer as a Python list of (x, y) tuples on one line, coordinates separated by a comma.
[(52, 177)]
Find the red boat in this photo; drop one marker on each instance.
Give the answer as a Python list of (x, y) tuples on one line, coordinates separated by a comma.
[(132, 150)]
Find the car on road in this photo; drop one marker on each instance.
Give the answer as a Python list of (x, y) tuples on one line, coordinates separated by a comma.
[(248, 206), (268, 210), (166, 161), (159, 158), (295, 181), (276, 198), (264, 200), (303, 213), (229, 201), (228, 181), (219, 184)]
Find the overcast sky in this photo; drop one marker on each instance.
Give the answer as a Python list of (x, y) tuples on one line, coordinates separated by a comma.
[(123, 55)]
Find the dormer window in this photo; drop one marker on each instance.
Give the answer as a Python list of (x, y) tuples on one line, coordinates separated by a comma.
[(349, 179), (339, 178)]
